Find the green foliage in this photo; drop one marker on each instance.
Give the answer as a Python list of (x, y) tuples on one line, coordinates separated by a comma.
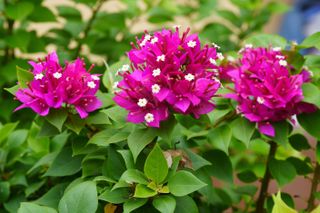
[(156, 167), (80, 198), (62, 163)]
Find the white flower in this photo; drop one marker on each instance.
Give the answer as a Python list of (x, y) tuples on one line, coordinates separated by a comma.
[(248, 46), (143, 43), (147, 37), (230, 58), (189, 77), (155, 88), (213, 61), (156, 72), (283, 63), (216, 80), (149, 117), (191, 43), (215, 45), (220, 56), (95, 77), (161, 58), (125, 67), (142, 102), (38, 76), (310, 72), (115, 85), (276, 49), (260, 100), (279, 57), (57, 75), (216, 71), (154, 40), (91, 84)]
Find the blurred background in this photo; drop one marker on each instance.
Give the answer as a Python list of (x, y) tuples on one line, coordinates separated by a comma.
[(101, 30)]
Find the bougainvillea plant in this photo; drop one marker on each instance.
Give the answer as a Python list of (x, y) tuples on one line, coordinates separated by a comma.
[(177, 125), (54, 86), (171, 73)]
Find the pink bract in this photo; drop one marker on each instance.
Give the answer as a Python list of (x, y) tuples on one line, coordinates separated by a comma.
[(55, 86), (265, 89), (171, 73)]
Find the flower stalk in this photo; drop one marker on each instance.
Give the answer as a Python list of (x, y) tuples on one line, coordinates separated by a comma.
[(266, 179), (88, 27), (314, 186)]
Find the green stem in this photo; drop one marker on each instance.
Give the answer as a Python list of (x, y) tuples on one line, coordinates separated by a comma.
[(266, 179), (314, 186), (9, 52), (228, 116), (88, 27)]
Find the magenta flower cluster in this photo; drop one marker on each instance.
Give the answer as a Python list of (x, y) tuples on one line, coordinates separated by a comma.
[(54, 86), (265, 90), (171, 72)]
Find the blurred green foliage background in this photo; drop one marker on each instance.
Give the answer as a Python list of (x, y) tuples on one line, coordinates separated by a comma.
[(101, 30)]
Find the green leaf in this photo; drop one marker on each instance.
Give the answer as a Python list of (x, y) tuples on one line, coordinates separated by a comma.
[(32, 188), (42, 14), (110, 77), (133, 204), (34, 208), (159, 15), (283, 171), (20, 39), (265, 40), (115, 196), (221, 165), (156, 166), (114, 165), (142, 191), (302, 167), (311, 94), (247, 176), (12, 90), (81, 198), (24, 77), (316, 210), (75, 123), (19, 10), (243, 129), (6, 130), (138, 139), (299, 142), (127, 157), (186, 205), (69, 13), (134, 176), (53, 196), (183, 183), (164, 204), (116, 114), (4, 191), (220, 137), (282, 132), (312, 41), (197, 161), (109, 136), (64, 164), (280, 206), (310, 122), (98, 118), (57, 117)]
